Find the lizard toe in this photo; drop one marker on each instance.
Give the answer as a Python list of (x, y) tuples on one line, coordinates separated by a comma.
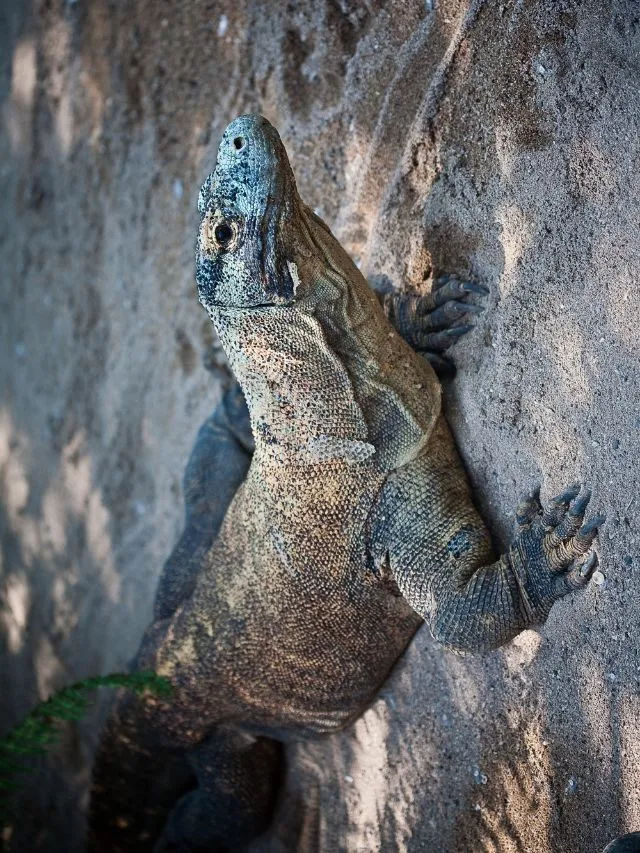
[(450, 287), (576, 578), (557, 506)]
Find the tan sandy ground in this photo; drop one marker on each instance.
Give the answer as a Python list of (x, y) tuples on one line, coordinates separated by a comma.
[(500, 136)]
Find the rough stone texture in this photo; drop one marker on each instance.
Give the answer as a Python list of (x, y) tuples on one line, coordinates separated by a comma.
[(501, 138)]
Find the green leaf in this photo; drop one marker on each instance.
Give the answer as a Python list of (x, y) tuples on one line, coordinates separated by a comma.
[(39, 730)]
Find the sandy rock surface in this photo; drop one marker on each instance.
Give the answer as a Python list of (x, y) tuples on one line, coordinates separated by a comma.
[(497, 139)]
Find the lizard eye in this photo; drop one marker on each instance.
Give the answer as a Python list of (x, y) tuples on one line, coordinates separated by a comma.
[(239, 143), (218, 234), (225, 234)]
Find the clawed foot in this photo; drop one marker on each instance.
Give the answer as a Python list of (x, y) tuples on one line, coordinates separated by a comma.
[(548, 553), (434, 322)]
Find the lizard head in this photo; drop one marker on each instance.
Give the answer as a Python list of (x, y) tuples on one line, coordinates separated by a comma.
[(248, 209)]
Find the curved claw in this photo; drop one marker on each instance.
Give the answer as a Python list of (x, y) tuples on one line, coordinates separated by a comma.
[(587, 533), (447, 313), (577, 578), (449, 287), (591, 526), (568, 551), (569, 525), (567, 495), (588, 567), (557, 506), (578, 507)]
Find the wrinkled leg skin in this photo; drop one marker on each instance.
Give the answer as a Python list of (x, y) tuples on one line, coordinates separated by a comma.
[(149, 782)]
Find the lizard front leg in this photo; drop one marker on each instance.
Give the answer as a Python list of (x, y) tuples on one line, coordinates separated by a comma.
[(432, 323), (428, 534)]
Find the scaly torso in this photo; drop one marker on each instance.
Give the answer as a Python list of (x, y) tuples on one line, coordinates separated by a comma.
[(287, 621)]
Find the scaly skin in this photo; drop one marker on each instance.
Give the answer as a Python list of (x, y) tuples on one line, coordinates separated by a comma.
[(306, 568)]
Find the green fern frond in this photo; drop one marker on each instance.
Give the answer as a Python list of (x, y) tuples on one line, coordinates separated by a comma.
[(40, 730)]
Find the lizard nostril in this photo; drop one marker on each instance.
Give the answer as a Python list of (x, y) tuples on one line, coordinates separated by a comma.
[(239, 143)]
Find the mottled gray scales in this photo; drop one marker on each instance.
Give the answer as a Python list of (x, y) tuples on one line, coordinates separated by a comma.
[(325, 520)]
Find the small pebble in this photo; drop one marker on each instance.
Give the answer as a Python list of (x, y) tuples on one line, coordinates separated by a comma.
[(570, 787), (479, 777), (598, 578), (611, 676), (223, 26), (348, 779)]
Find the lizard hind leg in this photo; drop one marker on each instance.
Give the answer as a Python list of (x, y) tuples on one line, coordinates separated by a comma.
[(434, 322), (239, 779), (137, 778)]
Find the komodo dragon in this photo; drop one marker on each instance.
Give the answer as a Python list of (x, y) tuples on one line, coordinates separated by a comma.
[(308, 563)]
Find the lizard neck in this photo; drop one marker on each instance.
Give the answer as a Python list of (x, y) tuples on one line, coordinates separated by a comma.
[(300, 396)]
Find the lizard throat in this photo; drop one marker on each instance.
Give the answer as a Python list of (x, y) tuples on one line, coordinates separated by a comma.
[(300, 396)]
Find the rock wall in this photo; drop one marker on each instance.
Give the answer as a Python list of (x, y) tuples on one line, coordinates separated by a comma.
[(496, 139)]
